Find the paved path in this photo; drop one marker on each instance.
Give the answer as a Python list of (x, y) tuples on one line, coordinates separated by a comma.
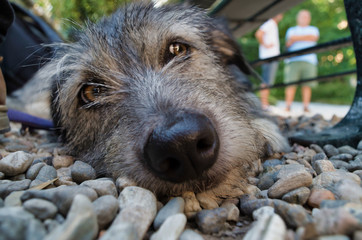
[(327, 110)]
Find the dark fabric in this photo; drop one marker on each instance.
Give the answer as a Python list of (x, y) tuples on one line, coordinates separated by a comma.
[(25, 48), (6, 18)]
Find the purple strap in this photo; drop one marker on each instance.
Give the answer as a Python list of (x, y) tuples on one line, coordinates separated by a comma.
[(28, 120)]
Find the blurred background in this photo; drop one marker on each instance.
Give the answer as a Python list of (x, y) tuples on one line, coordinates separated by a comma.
[(67, 16)]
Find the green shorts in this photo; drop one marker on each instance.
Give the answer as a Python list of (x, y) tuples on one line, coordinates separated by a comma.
[(295, 71)]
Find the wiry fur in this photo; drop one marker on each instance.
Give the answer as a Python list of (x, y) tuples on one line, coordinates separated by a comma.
[(126, 54)]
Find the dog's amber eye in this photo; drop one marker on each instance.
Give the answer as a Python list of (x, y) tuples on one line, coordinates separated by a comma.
[(89, 93), (177, 49)]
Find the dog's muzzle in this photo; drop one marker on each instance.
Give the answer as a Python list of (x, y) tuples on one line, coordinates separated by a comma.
[(182, 148)]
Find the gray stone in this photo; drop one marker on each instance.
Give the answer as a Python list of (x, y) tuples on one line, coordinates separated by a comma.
[(211, 221), (358, 173), (318, 156), (316, 148), (267, 228), (80, 224), (271, 163), (290, 182), (348, 150), (330, 150), (335, 221), (328, 179), (40, 208), (7, 187), (102, 187), (348, 190), (233, 211), (138, 208), (106, 208), (297, 196), (359, 146), (13, 199), (188, 234), (62, 161), (1, 203), (61, 196), (174, 206), (45, 174), (293, 215), (266, 181), (121, 230), (16, 223), (51, 224), (335, 237), (263, 212), (34, 170), (291, 155), (82, 171), (342, 156), (2, 175), (15, 163), (171, 228), (17, 147), (338, 164), (355, 165), (321, 166), (292, 169)]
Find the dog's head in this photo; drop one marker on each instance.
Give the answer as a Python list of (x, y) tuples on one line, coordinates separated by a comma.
[(146, 94)]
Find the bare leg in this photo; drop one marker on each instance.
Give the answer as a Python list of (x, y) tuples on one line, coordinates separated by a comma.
[(264, 96), (306, 95), (289, 96)]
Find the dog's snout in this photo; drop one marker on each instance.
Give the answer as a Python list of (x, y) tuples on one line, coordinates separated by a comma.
[(182, 148)]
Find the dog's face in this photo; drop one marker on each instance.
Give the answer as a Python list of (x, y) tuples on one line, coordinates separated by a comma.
[(146, 94)]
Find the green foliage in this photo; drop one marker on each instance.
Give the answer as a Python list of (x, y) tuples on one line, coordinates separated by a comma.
[(330, 18), (74, 13)]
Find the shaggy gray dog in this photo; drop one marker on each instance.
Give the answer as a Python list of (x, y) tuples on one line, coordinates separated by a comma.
[(147, 94)]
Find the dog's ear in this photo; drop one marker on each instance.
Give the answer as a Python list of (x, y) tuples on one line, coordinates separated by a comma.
[(227, 48)]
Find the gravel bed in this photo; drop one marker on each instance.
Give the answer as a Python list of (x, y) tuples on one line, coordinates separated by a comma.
[(309, 193)]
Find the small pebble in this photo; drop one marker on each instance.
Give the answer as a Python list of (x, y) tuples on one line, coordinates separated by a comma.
[(34, 170), (82, 171), (102, 186), (174, 206), (211, 221), (318, 195), (330, 150), (14, 199), (342, 156), (316, 148), (171, 228), (62, 161), (348, 150), (45, 174), (233, 211), (7, 187), (81, 222), (106, 208), (15, 163), (188, 234), (267, 228), (297, 196), (291, 181), (321, 166), (41, 209)]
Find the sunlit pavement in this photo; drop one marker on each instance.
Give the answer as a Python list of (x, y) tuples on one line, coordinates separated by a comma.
[(326, 110)]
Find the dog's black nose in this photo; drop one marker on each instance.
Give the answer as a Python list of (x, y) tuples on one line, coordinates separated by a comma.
[(182, 148)]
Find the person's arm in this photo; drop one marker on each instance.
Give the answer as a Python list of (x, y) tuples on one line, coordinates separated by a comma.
[(259, 35), (294, 38)]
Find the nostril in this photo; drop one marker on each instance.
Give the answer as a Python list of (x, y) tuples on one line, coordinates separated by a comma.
[(182, 147)]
